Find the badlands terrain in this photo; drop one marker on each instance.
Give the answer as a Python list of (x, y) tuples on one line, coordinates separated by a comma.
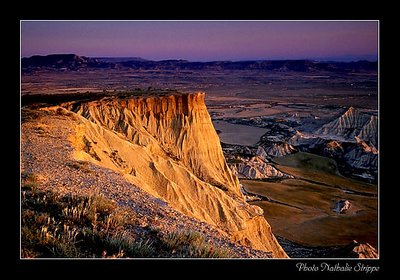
[(276, 159)]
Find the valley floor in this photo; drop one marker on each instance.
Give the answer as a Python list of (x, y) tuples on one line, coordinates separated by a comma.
[(302, 209)]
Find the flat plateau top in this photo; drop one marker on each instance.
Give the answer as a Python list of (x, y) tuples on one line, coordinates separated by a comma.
[(57, 98)]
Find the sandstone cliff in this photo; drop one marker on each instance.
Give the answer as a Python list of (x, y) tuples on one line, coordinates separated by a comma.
[(168, 146)]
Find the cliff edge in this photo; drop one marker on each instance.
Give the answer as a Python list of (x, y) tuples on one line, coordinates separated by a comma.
[(167, 146)]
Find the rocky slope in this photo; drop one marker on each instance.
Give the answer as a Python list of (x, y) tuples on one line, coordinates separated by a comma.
[(352, 124), (49, 163), (251, 163), (351, 139), (168, 147), (257, 168), (369, 131), (278, 149)]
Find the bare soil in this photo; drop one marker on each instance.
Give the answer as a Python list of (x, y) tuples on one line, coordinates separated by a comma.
[(308, 218)]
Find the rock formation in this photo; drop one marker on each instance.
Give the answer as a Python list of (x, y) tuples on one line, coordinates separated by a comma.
[(277, 149), (351, 124), (369, 132), (342, 206), (351, 139), (168, 146), (362, 155), (333, 149), (364, 250), (256, 168), (262, 154), (356, 250)]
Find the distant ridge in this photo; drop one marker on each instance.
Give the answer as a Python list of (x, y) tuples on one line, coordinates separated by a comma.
[(73, 61), (119, 59)]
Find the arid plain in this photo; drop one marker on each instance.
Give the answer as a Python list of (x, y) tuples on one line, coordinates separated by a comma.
[(288, 134)]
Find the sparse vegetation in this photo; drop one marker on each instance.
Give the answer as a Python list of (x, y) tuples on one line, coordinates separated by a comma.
[(315, 189), (193, 245), (41, 129), (80, 165), (72, 226), (309, 161), (60, 111), (31, 114), (68, 226), (29, 181), (43, 99), (234, 160)]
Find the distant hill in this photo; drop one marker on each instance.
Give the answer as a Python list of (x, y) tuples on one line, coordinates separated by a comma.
[(119, 59), (267, 65), (69, 61), (72, 61)]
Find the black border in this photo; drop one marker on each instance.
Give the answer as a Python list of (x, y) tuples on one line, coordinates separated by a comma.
[(189, 268)]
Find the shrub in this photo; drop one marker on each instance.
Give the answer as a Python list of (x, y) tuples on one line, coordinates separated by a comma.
[(73, 226), (192, 244), (80, 165), (69, 226), (127, 246)]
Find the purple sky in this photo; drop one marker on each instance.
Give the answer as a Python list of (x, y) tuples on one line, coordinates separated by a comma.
[(204, 40)]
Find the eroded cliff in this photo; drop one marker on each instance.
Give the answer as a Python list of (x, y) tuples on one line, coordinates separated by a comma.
[(168, 146)]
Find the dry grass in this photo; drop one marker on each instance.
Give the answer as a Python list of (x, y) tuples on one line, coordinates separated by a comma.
[(73, 226), (70, 226), (80, 165), (41, 129), (192, 244)]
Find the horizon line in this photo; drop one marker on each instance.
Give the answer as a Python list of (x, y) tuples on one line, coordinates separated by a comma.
[(345, 58)]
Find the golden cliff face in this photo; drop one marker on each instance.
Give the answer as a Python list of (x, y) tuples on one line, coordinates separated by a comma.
[(168, 146)]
